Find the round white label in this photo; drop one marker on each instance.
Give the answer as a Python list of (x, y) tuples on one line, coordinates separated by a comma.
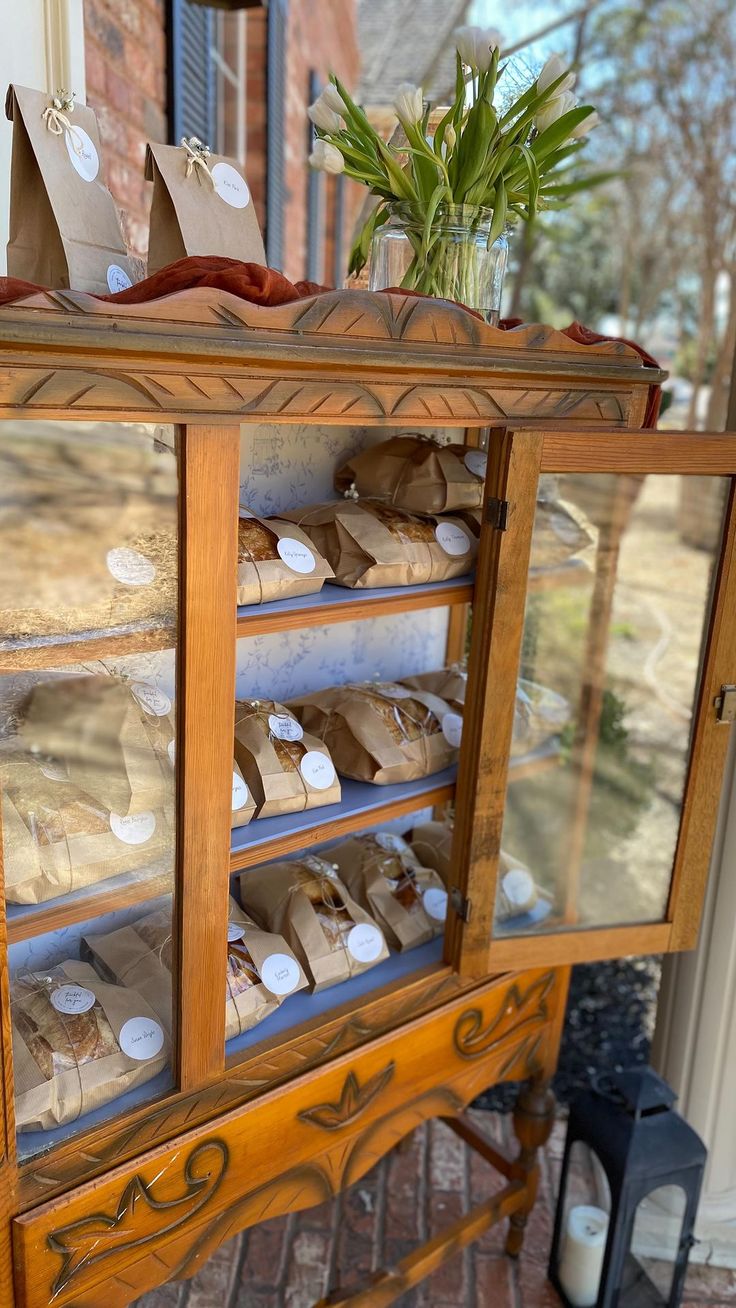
[(365, 942), (280, 974), (453, 539), (235, 932), (141, 1038), (171, 751), (230, 186), (284, 728), (117, 279), (135, 829), (152, 700), (296, 556), (240, 792), (476, 461), (72, 999), (435, 903), (518, 886), (129, 567), (389, 841), (317, 769), (394, 692), (452, 729), (82, 152)]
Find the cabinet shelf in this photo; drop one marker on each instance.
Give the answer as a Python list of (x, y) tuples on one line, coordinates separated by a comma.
[(78, 646), (574, 572), (339, 604)]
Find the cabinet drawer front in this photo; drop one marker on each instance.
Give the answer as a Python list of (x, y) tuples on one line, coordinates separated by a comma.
[(162, 1215)]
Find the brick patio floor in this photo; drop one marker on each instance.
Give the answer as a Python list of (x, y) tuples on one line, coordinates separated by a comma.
[(290, 1262)]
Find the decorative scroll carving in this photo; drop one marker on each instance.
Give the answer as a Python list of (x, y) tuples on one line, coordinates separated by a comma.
[(353, 1101), (519, 1009), (140, 1217)]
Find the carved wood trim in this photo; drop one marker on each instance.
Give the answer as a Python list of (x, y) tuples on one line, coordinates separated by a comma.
[(353, 1101)]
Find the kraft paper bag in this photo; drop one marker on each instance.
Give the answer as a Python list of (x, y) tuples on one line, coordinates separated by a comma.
[(385, 877), (276, 560), (432, 844), (449, 683), (382, 732), (58, 840), (415, 472), (201, 205), (78, 1043), (540, 713), (260, 971), (561, 529), (243, 803), (114, 737), (306, 902), (64, 227), (516, 890), (285, 768), (368, 543)]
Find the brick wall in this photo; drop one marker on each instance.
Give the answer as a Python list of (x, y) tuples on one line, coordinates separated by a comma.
[(125, 53)]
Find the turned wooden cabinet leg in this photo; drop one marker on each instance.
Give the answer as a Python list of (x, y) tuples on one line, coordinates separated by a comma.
[(534, 1117)]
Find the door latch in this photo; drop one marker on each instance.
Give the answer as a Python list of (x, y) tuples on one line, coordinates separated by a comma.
[(725, 705), (460, 904), (497, 513)]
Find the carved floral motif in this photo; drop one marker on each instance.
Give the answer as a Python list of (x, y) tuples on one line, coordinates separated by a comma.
[(520, 1007), (353, 1101)]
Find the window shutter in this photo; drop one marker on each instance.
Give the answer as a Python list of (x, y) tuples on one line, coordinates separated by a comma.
[(276, 126), (192, 107)]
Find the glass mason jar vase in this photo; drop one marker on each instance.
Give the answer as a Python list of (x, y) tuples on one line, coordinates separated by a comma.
[(452, 262)]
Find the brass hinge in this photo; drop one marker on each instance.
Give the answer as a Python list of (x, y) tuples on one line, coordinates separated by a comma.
[(497, 513), (725, 705), (460, 904)]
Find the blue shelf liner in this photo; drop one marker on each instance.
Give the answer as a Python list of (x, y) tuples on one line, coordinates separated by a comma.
[(301, 1008), (357, 797), (345, 596)]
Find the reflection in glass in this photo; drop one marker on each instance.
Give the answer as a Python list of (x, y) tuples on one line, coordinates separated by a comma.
[(615, 634)]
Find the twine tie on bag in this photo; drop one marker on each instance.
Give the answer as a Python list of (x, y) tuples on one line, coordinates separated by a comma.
[(331, 893), (263, 715), (197, 158), (57, 121), (46, 985)]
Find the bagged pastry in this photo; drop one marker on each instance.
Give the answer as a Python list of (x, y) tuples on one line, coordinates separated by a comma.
[(539, 714), (276, 560), (114, 738), (64, 228), (57, 839), (449, 683), (370, 543), (89, 520), (306, 902), (285, 768), (516, 891), (382, 732), (561, 529), (416, 473), (201, 204), (260, 970), (78, 1043), (381, 871), (243, 803), (432, 845)]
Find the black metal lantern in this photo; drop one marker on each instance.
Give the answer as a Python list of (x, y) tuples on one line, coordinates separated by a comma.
[(629, 1190)]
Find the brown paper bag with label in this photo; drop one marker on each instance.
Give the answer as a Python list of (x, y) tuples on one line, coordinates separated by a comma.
[(307, 903), (199, 208), (140, 956), (369, 543), (114, 737), (276, 560), (449, 683), (102, 1041), (416, 473), (386, 878), (286, 769), (432, 845), (64, 227), (243, 803), (380, 731)]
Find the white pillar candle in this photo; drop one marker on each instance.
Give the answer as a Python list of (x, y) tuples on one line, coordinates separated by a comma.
[(582, 1256)]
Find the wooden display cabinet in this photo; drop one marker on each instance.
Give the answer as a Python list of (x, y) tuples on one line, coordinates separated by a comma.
[(145, 1189)]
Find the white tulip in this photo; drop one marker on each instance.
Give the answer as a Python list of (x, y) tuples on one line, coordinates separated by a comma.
[(554, 109), (327, 158), (332, 98), (409, 103), (450, 136), (554, 68), (323, 116), (586, 126), (476, 45)]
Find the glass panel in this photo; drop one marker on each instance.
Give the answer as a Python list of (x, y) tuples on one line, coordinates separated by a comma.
[(616, 613), (655, 1246), (88, 612), (586, 1205)]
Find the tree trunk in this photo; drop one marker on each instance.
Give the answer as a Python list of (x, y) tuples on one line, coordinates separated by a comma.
[(528, 241), (705, 336), (723, 373)]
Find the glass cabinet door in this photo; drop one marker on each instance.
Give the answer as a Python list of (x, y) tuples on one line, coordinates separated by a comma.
[(88, 628)]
